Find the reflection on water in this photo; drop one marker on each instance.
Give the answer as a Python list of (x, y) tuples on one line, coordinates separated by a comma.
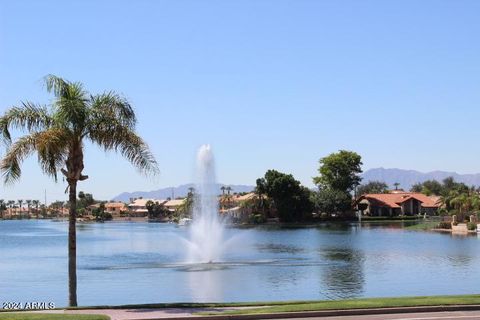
[(343, 277), (122, 263)]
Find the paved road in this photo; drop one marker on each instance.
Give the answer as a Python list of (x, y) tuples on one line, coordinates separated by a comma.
[(468, 315), (131, 314)]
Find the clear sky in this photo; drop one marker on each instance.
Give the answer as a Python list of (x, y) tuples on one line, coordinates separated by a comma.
[(269, 84)]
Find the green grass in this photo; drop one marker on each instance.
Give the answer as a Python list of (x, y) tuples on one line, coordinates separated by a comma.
[(51, 316), (357, 304), (422, 226), (393, 218)]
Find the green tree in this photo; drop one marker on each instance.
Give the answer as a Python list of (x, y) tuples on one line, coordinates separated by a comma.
[(58, 134), (84, 200), (289, 197), (417, 187), (29, 204), (100, 214), (155, 209), (332, 201), (339, 171), (20, 204), (372, 187), (185, 209), (429, 187), (3, 207), (36, 203)]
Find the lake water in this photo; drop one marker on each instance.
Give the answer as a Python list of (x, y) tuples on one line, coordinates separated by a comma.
[(122, 263)]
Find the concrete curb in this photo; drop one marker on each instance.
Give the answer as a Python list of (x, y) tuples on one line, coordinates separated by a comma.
[(329, 313)]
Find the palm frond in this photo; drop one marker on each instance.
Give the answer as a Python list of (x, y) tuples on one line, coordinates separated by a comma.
[(55, 84), (10, 165), (110, 105), (28, 116), (124, 140), (50, 146), (71, 108)]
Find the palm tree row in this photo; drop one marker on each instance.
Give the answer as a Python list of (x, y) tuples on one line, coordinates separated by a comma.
[(12, 204), (462, 202), (57, 133)]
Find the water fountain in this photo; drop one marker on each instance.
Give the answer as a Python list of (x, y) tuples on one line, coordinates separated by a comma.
[(206, 242)]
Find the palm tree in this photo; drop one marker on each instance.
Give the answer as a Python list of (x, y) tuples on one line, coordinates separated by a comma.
[(2, 207), (36, 203), (396, 184), (20, 202), (29, 203), (223, 188), (57, 134)]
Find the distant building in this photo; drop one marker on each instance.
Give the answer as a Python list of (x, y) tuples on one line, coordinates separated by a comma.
[(115, 208), (397, 203), (138, 207), (235, 207), (172, 205)]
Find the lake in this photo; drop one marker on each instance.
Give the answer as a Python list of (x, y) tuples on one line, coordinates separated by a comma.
[(130, 262)]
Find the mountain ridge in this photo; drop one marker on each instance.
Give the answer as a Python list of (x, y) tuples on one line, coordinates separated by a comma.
[(407, 178), (173, 192)]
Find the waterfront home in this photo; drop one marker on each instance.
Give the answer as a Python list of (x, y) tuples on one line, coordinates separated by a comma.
[(138, 207), (115, 208), (238, 206), (397, 203), (172, 205)]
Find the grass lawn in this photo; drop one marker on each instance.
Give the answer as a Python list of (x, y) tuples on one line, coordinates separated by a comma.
[(423, 226), (393, 218), (51, 316), (358, 304)]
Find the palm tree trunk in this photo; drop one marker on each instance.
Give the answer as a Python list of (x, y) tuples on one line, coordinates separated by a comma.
[(72, 245)]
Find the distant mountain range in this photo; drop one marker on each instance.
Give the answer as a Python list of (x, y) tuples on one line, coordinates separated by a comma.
[(173, 192), (407, 178)]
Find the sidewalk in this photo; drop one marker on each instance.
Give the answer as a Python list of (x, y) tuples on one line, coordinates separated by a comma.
[(183, 313)]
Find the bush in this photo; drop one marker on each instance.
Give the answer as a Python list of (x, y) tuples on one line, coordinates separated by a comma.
[(444, 225), (257, 218), (471, 226)]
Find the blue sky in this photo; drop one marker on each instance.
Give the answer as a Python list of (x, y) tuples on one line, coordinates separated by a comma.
[(269, 84)]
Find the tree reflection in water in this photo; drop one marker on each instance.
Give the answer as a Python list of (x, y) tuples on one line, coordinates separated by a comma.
[(343, 274)]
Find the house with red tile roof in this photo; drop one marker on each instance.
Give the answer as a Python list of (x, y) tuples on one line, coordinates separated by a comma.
[(397, 203)]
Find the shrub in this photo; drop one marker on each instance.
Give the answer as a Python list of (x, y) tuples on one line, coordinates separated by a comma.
[(471, 226), (444, 225), (257, 218)]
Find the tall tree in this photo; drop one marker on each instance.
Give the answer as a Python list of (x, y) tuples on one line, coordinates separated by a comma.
[(2, 208), (289, 197), (36, 203), (340, 171), (339, 176), (58, 132), (429, 187), (29, 204), (20, 203), (372, 187)]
